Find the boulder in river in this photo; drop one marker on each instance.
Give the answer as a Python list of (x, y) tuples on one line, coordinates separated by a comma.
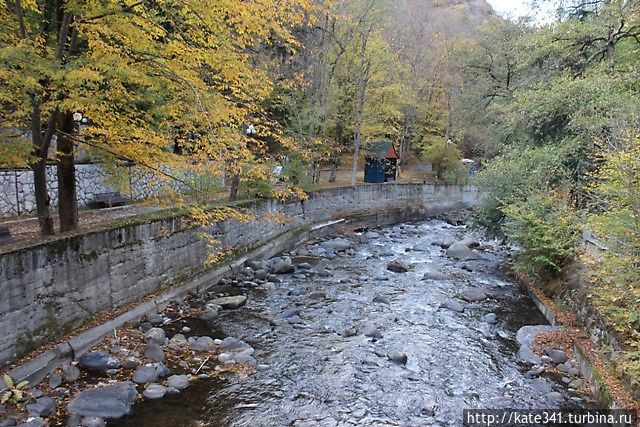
[(179, 382), (283, 266), (398, 266), (370, 330), (473, 295), (525, 336), (452, 305), (154, 391), (436, 276), (111, 402), (462, 252), (230, 303), (336, 245)]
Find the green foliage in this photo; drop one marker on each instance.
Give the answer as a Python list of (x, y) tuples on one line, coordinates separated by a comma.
[(512, 178), (258, 187), (297, 174), (14, 392), (616, 222), (445, 157), (546, 229)]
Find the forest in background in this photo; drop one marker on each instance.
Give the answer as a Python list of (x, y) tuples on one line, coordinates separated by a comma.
[(231, 88)]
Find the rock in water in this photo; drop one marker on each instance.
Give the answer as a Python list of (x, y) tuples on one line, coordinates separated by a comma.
[(473, 295), (230, 303), (111, 402), (525, 336), (462, 252), (381, 300), (371, 330), (99, 361), (399, 358), (490, 318), (283, 266), (453, 306), (179, 382), (336, 245), (289, 313), (154, 391), (434, 275), (397, 266)]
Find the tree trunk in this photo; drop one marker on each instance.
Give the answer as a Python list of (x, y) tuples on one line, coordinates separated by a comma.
[(235, 183), (334, 168), (42, 197), (357, 134), (67, 198), (41, 149)]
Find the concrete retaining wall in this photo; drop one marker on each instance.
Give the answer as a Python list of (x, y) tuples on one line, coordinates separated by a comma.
[(53, 287)]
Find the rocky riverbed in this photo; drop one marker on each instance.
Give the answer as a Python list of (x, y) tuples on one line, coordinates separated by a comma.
[(406, 325)]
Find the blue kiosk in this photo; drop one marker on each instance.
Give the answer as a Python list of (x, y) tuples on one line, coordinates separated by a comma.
[(381, 162)]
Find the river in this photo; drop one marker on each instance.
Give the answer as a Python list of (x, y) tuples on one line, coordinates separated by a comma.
[(321, 369)]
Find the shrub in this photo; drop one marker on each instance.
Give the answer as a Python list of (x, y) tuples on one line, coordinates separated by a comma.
[(546, 228)]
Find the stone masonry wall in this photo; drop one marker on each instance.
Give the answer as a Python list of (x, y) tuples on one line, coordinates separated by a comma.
[(52, 287), (17, 188)]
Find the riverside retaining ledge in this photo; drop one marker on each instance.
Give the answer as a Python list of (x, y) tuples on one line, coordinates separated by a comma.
[(52, 287)]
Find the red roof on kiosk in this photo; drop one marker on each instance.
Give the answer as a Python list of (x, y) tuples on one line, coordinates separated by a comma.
[(392, 153)]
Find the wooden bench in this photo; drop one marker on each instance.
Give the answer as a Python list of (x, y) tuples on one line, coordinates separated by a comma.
[(107, 200), (5, 235)]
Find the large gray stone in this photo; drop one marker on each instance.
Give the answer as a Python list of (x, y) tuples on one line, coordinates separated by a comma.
[(201, 344), (146, 374), (525, 336), (155, 335), (370, 330), (70, 373), (100, 361), (234, 344), (179, 382), (473, 295), (245, 357), (557, 356), (436, 276), (336, 245), (398, 266), (110, 402), (43, 407), (93, 422), (283, 266), (462, 252), (452, 305), (230, 303), (154, 391), (154, 352)]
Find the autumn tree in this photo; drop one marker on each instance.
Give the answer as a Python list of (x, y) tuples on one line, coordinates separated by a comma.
[(139, 72)]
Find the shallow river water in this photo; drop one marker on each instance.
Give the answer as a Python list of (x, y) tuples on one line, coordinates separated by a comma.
[(322, 370)]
